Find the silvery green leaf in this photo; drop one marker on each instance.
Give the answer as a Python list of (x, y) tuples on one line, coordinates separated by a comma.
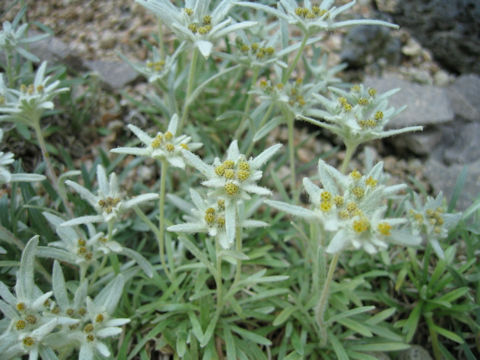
[(7, 295), (267, 128), (22, 177), (205, 47), (58, 285), (108, 332), (110, 294), (55, 253), (25, 285), (291, 209), (84, 220), (140, 260), (8, 310)]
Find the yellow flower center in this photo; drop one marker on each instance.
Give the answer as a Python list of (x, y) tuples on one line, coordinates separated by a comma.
[(231, 189), (384, 228), (229, 164), (21, 306), (356, 175), (28, 341), (88, 328), (326, 196), (371, 182), (243, 175), (372, 92), (220, 170), (338, 200), (360, 226), (378, 115), (31, 319), (358, 192), (99, 318), (20, 324), (326, 206), (170, 147), (229, 174)]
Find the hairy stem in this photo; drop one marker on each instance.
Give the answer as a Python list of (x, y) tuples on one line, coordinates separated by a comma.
[(161, 218), (291, 150), (349, 151), (247, 104), (323, 301), (292, 66), (46, 157), (262, 122), (191, 80)]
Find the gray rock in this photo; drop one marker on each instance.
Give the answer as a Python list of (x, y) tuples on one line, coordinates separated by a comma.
[(366, 44), (443, 178), (416, 352), (419, 143), (464, 97), (426, 104), (460, 143), (55, 50), (449, 28), (115, 74)]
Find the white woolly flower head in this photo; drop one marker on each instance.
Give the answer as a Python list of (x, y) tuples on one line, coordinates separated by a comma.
[(431, 221), (352, 208), (357, 116), (195, 22), (166, 145), (108, 201)]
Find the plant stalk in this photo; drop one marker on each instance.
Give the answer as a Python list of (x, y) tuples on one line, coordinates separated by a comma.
[(292, 66), (247, 105), (161, 218), (323, 301), (191, 80), (349, 151)]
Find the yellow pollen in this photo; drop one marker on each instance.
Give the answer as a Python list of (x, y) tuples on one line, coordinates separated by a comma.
[(244, 48), (28, 341), (82, 311), (207, 20), (326, 206), (255, 47), (31, 319), (351, 207), (192, 28), (347, 107), (88, 328), (81, 242), (316, 9), (358, 192), (363, 101), (338, 200), (261, 53), (231, 189), (81, 250), (168, 136), (70, 312), (23, 88), (30, 89), (20, 325), (361, 225), (342, 100), (378, 115), (279, 86), (229, 164), (371, 123), (221, 221), (56, 309), (343, 214), (384, 228), (221, 203), (372, 92), (188, 11), (210, 210), (170, 147), (243, 165), (184, 146), (220, 170), (21, 306), (355, 88), (362, 123), (310, 15), (371, 182), (99, 318), (263, 83), (326, 196), (103, 239), (270, 50), (157, 142), (90, 338), (88, 256), (229, 174), (243, 175), (40, 88), (437, 230), (301, 101), (204, 29), (210, 218), (356, 175)]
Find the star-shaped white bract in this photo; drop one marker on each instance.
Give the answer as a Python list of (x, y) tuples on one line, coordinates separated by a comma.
[(431, 220), (208, 217), (29, 103), (108, 202), (357, 116), (233, 179), (312, 18), (352, 209), (195, 22), (166, 145)]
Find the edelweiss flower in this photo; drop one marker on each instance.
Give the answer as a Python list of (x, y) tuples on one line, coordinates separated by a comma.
[(208, 217), (108, 202), (353, 208), (233, 179), (195, 23), (312, 18), (5, 175), (357, 116), (157, 68), (29, 103), (30, 327), (12, 38), (431, 221), (163, 146)]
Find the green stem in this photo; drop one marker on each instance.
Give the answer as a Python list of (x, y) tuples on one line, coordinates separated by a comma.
[(323, 301), (292, 66), (434, 339), (161, 219), (291, 150), (238, 247), (218, 278), (46, 158), (9, 69), (247, 104), (191, 80), (349, 151)]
